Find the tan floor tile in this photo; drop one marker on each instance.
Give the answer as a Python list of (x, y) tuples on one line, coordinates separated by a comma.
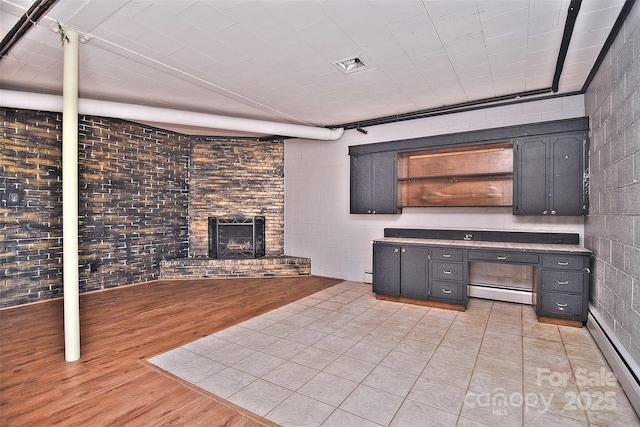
[(607, 406), (440, 395), (535, 418), (390, 380), (375, 405), (300, 410), (405, 362), (328, 388), (508, 351), (537, 345), (496, 337), (432, 334), (543, 398), (414, 414), (454, 357), (500, 366), (425, 349), (342, 358), (442, 372), (543, 331), (486, 384)]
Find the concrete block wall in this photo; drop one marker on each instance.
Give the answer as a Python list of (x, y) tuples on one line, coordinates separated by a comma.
[(612, 230), (230, 178)]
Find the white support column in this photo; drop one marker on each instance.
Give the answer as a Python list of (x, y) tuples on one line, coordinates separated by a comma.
[(71, 281)]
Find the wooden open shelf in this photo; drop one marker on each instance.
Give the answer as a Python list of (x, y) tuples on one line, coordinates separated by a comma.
[(479, 175)]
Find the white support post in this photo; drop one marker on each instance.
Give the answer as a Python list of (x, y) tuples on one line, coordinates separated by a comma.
[(70, 256)]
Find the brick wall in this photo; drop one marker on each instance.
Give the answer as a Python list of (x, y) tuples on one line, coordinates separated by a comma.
[(30, 206), (612, 230), (133, 200), (236, 178)]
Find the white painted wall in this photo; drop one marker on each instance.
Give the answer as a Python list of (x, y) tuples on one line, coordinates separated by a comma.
[(317, 220)]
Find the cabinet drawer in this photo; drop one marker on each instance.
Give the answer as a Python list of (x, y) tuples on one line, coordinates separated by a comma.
[(516, 258), (446, 254), (561, 305), (447, 290), (565, 262), (447, 271), (571, 281)]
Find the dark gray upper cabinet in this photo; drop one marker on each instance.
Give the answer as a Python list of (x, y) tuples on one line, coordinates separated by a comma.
[(373, 183), (550, 172), (550, 175)]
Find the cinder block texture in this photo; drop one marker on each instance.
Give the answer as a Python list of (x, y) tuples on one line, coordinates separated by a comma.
[(612, 228)]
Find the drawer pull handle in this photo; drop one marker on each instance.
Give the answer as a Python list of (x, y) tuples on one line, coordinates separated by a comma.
[(561, 306), (563, 263), (566, 282), (446, 291), (395, 250), (446, 255), (447, 271), (501, 257)]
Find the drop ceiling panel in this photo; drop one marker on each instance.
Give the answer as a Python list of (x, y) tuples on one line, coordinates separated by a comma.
[(273, 59)]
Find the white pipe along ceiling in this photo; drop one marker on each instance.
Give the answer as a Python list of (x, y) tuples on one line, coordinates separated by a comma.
[(94, 107)]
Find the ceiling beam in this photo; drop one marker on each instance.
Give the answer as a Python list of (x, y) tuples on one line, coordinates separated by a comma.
[(572, 16), (27, 21)]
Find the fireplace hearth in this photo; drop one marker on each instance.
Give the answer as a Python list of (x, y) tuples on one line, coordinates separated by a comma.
[(236, 237)]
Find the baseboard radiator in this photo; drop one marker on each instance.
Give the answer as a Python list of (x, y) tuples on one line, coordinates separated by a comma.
[(624, 367)]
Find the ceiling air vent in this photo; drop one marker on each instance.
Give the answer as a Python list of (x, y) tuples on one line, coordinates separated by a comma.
[(351, 65)]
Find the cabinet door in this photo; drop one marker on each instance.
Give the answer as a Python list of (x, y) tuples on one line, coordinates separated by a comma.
[(549, 175), (386, 269), (374, 183), (361, 183), (567, 179), (384, 183), (531, 189), (413, 272)]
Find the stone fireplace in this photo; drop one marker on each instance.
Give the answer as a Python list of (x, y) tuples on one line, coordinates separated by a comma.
[(243, 178), (236, 237)]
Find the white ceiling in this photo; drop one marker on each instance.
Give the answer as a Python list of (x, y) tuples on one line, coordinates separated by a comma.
[(273, 60)]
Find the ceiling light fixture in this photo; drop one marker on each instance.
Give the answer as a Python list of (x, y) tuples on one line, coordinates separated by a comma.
[(351, 65)]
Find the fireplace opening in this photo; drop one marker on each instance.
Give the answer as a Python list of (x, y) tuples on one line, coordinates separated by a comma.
[(236, 237)]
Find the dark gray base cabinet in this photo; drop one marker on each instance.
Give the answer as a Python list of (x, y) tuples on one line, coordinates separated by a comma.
[(439, 274), (411, 272), (563, 287), (401, 271)]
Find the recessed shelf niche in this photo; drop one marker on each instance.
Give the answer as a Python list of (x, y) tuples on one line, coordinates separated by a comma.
[(477, 175)]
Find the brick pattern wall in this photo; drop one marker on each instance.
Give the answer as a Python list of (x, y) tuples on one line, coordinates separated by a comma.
[(133, 201), (30, 206), (612, 230), (236, 178), (255, 267)]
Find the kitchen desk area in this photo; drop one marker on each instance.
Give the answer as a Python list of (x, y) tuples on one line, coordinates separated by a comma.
[(432, 267)]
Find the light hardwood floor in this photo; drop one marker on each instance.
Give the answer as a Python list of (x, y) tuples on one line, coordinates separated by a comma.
[(112, 384)]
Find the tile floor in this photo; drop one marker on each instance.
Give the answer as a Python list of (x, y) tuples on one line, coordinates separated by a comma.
[(342, 358)]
